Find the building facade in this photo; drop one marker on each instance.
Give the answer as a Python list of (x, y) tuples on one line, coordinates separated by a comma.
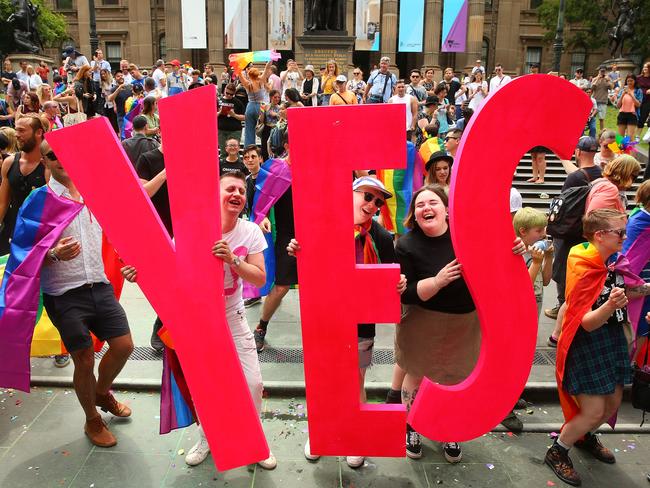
[(499, 31)]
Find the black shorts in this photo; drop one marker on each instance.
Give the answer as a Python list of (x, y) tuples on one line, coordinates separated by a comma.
[(626, 118), (83, 310), (286, 267)]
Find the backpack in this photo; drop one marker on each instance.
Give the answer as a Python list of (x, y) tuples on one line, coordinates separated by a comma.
[(566, 211)]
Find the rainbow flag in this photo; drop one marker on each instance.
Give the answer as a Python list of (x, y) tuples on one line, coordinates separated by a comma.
[(239, 61), (41, 219), (402, 183), (272, 181), (176, 406), (132, 108), (637, 249)]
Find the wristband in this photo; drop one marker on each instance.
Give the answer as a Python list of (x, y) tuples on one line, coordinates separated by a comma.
[(53, 256)]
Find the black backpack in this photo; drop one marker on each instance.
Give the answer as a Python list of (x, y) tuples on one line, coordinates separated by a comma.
[(566, 212)]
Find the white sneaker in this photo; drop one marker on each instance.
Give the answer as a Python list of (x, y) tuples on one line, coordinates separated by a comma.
[(355, 461), (646, 137), (269, 463), (308, 455), (198, 453)]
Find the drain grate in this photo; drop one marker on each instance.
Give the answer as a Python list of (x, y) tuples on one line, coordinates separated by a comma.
[(293, 355)]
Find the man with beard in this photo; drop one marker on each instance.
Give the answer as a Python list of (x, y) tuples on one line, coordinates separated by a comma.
[(21, 173), (118, 96)]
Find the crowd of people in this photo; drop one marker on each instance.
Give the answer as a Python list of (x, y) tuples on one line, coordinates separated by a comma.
[(439, 334)]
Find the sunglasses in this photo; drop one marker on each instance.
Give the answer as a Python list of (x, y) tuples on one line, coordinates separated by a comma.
[(619, 232), (369, 197), (51, 156), (356, 73)]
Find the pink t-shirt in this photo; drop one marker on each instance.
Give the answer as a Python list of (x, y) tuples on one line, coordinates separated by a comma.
[(603, 194), (627, 103)]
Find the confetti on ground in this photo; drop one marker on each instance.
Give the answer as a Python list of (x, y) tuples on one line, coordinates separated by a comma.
[(631, 446), (181, 452), (550, 483), (490, 466), (14, 417)]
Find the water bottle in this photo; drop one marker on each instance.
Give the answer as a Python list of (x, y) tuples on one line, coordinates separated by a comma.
[(542, 245)]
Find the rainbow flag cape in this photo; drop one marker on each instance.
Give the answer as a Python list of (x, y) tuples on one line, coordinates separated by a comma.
[(239, 61), (272, 181), (132, 108), (41, 219), (637, 250), (586, 274), (176, 406), (402, 183)]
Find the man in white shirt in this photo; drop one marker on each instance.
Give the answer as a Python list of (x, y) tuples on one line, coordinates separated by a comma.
[(499, 80), (478, 67), (411, 107), (579, 81), (159, 73), (99, 63), (79, 300), (291, 77), (22, 74)]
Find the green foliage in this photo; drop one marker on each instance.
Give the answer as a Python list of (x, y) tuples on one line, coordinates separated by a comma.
[(50, 25), (591, 21)]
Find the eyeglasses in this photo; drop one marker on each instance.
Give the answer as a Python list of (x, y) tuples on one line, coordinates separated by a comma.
[(415, 76), (369, 197), (449, 137), (619, 232), (356, 72), (51, 156)]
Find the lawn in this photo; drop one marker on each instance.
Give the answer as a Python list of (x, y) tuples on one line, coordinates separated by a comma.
[(610, 123)]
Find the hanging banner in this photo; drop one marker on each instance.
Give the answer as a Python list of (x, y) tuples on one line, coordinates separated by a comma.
[(454, 26), (367, 25), (235, 24), (280, 25), (411, 26), (194, 24)]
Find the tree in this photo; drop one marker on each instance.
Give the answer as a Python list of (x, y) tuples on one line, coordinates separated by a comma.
[(51, 26), (591, 22)]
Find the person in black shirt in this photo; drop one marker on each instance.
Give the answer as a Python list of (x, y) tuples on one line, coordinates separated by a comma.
[(439, 335), (232, 162), (373, 245), (139, 143), (229, 117), (153, 175), (118, 96)]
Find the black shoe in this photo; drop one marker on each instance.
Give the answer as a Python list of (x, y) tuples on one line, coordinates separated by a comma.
[(394, 397), (259, 335), (252, 301), (592, 445), (413, 443), (560, 462), (512, 423), (453, 452), (156, 343), (521, 404), (551, 342)]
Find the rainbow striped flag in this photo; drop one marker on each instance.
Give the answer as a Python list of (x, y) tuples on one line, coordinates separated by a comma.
[(41, 219), (239, 61), (132, 108), (637, 249), (402, 183), (176, 406)]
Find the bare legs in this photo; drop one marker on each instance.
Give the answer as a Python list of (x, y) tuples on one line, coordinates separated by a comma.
[(594, 411)]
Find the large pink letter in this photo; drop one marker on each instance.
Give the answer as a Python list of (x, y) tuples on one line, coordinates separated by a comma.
[(183, 282), (481, 228), (336, 294)]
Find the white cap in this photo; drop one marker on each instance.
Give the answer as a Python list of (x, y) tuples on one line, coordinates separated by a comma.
[(341, 78), (370, 182)]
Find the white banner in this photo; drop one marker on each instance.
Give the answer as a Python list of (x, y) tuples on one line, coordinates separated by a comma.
[(235, 19), (280, 25), (194, 25), (367, 25)]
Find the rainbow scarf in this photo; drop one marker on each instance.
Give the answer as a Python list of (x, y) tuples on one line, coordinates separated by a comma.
[(41, 219), (585, 278), (366, 252), (273, 180), (132, 108), (402, 183), (239, 61)]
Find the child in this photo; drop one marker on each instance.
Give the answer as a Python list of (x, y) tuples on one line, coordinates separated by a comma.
[(530, 225), (593, 362)]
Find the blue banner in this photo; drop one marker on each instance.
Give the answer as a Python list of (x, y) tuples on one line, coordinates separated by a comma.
[(411, 26)]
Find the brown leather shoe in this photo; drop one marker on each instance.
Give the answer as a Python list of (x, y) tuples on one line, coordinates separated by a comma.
[(108, 403), (98, 433), (562, 466), (592, 445)]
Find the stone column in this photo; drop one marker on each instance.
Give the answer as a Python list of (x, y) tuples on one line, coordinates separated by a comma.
[(140, 33), (507, 39), (173, 34), (432, 28), (259, 24), (298, 30), (474, 33), (83, 19), (215, 33), (388, 30)]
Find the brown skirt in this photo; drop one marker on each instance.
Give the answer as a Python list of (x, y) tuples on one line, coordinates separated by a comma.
[(441, 346)]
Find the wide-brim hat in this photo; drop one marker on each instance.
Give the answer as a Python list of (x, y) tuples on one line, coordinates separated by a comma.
[(309, 67), (438, 156)]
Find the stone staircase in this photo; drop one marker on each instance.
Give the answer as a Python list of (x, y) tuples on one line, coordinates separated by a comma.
[(533, 194)]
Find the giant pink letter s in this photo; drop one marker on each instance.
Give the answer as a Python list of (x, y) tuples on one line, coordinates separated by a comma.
[(481, 228), (336, 294), (183, 282)]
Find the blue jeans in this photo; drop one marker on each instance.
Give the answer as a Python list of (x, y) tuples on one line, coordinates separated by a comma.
[(252, 114), (591, 125)]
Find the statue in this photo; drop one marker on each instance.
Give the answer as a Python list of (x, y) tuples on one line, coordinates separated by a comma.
[(23, 20), (324, 15), (624, 28)]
